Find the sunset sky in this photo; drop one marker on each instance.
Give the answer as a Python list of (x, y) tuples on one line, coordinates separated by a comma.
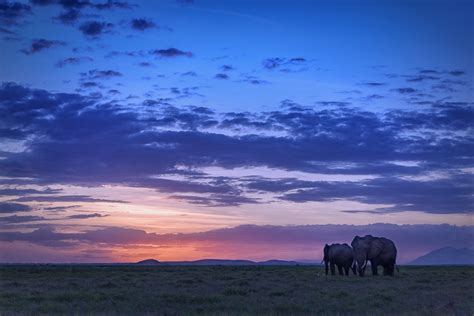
[(181, 130)]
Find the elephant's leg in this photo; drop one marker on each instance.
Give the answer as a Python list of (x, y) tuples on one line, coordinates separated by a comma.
[(339, 267), (333, 269), (346, 270), (385, 270), (373, 264), (391, 270)]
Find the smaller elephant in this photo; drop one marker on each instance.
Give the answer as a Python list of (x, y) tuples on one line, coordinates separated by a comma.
[(339, 255)]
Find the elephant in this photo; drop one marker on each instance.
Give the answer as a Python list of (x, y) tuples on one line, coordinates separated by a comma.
[(377, 250), (340, 256)]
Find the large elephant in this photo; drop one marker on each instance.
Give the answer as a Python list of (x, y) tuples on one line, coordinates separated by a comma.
[(340, 256), (377, 250)]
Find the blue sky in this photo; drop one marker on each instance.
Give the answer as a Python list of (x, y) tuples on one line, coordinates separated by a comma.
[(147, 118)]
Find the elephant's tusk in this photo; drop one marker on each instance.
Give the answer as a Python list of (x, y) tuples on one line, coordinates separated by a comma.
[(364, 265)]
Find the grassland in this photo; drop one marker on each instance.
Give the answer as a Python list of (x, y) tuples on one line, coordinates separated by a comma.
[(244, 290)]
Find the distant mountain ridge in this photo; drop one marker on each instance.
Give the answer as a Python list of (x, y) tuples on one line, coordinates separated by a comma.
[(446, 256), (223, 262)]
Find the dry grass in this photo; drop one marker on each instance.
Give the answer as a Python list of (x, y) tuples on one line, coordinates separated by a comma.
[(278, 290)]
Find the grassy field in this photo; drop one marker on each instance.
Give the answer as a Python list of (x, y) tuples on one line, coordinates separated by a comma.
[(218, 290)]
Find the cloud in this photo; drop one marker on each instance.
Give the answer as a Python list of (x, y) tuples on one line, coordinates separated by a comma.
[(13, 13), (94, 29), (405, 90), (69, 16), (82, 4), (38, 45), (230, 242), (18, 191), (8, 207), (100, 74), (171, 52), (189, 73), (289, 64), (73, 61), (64, 198), (333, 103), (339, 140), (221, 76), (457, 72), (142, 24), (85, 216), (227, 68), (216, 200), (254, 80), (6, 31), (59, 208), (421, 78), (15, 219), (443, 196), (373, 84)]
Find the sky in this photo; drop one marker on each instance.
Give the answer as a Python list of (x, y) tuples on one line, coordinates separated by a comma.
[(182, 130)]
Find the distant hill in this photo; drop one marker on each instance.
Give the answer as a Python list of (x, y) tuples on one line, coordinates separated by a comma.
[(222, 262), (148, 262), (446, 256)]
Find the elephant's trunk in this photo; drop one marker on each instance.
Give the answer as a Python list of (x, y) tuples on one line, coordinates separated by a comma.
[(361, 264)]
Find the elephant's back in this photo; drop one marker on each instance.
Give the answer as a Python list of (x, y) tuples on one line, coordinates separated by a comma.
[(343, 250)]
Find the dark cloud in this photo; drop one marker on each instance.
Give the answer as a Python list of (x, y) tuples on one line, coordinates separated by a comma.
[(185, 92), (69, 16), (444, 196), (94, 29), (100, 74), (171, 52), (189, 73), (18, 191), (38, 45), (330, 140), (59, 208), (15, 219), (90, 84), (73, 61), (6, 31), (254, 80), (333, 103), (64, 198), (8, 207), (142, 24), (430, 72), (216, 200), (85, 216), (421, 78), (405, 90), (289, 64), (456, 72), (109, 5), (227, 68), (13, 13), (374, 84), (137, 53), (221, 76), (82, 4), (429, 237), (145, 64)]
